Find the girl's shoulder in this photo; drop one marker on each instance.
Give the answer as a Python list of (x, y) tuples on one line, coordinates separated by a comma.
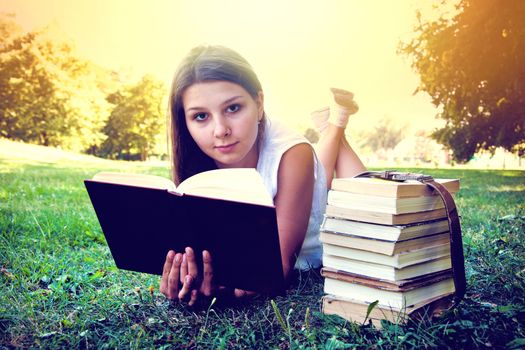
[(280, 136), (277, 140)]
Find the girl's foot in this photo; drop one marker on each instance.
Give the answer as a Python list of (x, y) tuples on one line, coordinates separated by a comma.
[(344, 106)]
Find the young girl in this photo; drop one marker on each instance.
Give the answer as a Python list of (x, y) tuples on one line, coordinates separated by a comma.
[(217, 120)]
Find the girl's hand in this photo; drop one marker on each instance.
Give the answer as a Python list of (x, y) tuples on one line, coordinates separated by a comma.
[(169, 283), (241, 293), (180, 278), (207, 286), (189, 277)]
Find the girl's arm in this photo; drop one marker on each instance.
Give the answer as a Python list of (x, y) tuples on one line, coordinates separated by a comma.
[(293, 202)]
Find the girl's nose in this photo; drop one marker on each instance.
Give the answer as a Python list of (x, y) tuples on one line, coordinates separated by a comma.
[(221, 129)]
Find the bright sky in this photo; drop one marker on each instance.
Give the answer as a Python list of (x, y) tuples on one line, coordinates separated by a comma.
[(298, 48)]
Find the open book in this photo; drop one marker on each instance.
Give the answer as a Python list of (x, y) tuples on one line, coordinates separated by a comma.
[(227, 212)]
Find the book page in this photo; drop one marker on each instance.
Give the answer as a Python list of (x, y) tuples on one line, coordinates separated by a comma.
[(139, 180), (237, 184)]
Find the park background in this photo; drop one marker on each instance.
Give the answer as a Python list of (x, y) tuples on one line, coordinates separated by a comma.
[(77, 81), (83, 89)]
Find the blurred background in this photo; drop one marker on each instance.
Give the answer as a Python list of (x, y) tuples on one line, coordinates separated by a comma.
[(439, 83)]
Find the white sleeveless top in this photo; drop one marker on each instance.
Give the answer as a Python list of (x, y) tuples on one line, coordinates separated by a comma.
[(276, 141)]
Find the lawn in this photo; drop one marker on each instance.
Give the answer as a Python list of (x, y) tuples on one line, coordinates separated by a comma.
[(59, 287)]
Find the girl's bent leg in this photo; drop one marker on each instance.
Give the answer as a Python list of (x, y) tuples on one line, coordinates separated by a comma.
[(334, 151), (337, 156), (348, 163), (328, 149)]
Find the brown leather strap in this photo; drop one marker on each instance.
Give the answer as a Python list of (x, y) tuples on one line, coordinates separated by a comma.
[(456, 244)]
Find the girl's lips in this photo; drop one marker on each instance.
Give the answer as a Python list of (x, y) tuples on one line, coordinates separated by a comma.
[(226, 148)]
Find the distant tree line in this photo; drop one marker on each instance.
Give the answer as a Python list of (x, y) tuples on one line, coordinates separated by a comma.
[(383, 136), (50, 96), (471, 62)]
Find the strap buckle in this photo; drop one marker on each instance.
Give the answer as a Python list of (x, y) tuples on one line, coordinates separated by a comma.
[(394, 175)]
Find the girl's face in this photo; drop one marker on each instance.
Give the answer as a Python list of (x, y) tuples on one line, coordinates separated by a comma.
[(222, 118)]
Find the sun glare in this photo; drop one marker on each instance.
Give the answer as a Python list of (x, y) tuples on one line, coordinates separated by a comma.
[(298, 48)]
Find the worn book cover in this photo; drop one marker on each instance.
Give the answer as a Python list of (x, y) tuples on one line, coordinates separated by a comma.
[(386, 272), (384, 218), (389, 298), (142, 223), (396, 286), (358, 311), (382, 246), (384, 232), (400, 260), (392, 189)]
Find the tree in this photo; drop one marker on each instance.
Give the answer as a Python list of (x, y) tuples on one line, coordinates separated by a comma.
[(472, 64), (311, 135), (8, 28), (135, 121), (385, 135), (48, 96)]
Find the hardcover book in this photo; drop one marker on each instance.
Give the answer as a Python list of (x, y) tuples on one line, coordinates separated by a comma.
[(227, 212), (384, 232), (388, 245), (382, 246), (399, 260), (386, 272), (396, 286), (393, 189), (355, 310), (384, 218), (380, 204), (389, 298)]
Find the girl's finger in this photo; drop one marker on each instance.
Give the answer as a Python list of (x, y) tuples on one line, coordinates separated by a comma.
[(183, 268), (207, 271), (193, 297), (193, 270), (166, 271), (186, 288), (173, 277), (241, 293)]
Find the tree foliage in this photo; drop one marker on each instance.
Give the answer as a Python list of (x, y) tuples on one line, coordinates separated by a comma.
[(472, 64), (311, 135), (48, 96), (136, 120), (8, 28)]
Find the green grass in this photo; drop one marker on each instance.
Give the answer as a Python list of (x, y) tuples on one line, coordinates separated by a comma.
[(59, 287)]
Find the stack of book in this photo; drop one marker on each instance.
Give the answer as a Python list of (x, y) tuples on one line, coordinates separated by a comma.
[(385, 244)]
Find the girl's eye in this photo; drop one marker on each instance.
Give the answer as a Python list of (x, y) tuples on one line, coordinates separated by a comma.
[(200, 117), (233, 108)]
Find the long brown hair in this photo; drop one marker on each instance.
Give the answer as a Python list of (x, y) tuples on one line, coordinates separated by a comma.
[(203, 63)]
